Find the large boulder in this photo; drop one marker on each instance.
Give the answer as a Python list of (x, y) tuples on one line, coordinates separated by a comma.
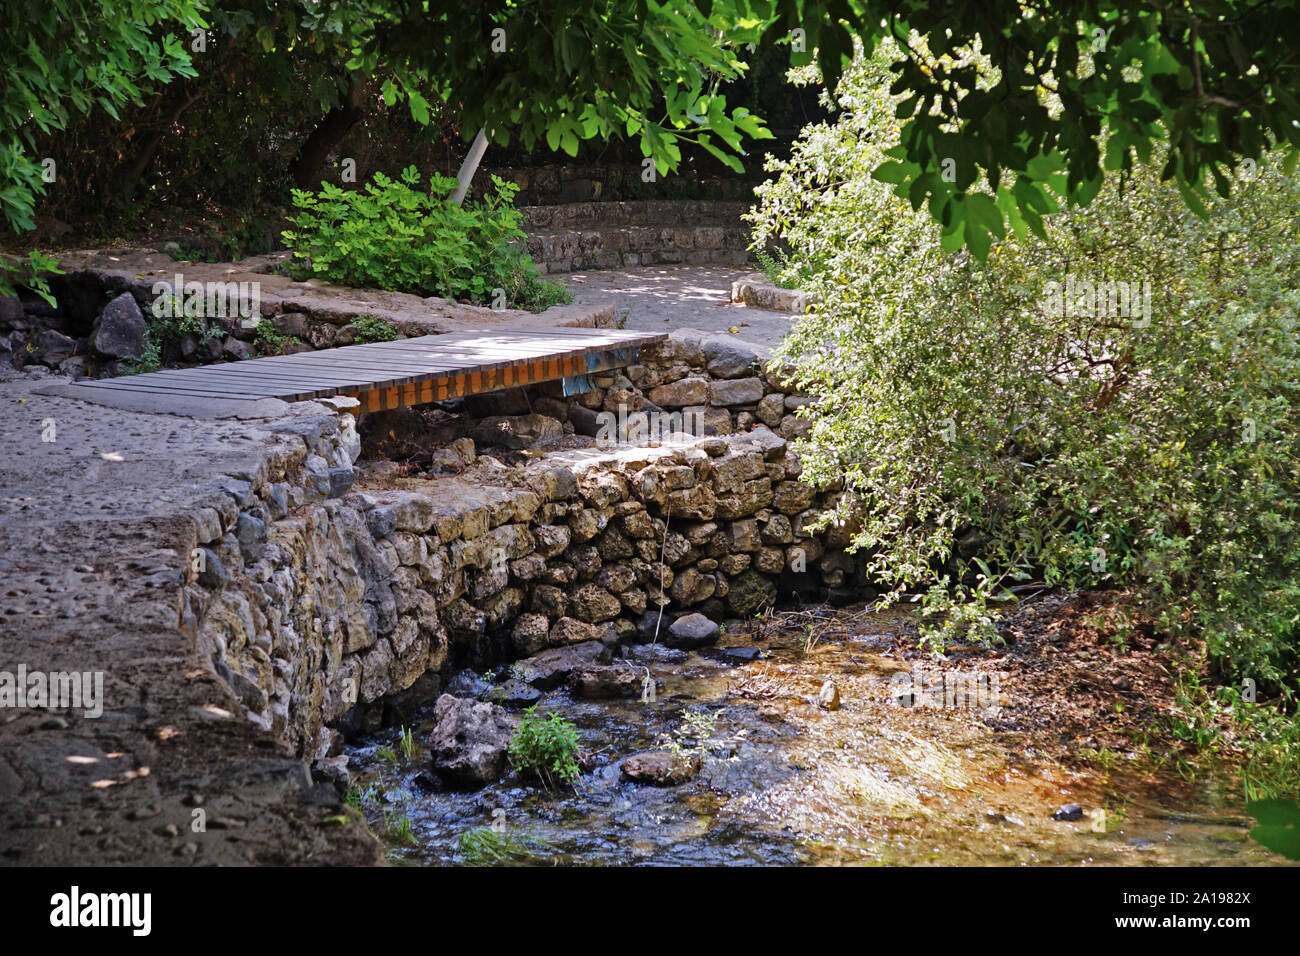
[(119, 332), (470, 741)]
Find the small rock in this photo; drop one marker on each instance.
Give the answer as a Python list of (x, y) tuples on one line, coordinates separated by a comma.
[(53, 347), (728, 359), (693, 630), (470, 741), (606, 682), (1069, 811), (656, 654), (829, 697), (235, 350), (660, 768), (332, 769), (519, 431), (733, 655), (119, 332), (514, 694)]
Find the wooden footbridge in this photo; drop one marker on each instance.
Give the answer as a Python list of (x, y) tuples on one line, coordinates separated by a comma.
[(385, 375)]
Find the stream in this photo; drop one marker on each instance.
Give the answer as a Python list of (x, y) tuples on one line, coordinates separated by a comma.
[(786, 782)]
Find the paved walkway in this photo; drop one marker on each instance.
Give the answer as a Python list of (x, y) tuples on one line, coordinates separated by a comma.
[(96, 529), (665, 298)]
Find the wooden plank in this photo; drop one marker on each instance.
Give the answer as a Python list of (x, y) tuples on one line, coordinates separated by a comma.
[(120, 386), (318, 376), (323, 374)]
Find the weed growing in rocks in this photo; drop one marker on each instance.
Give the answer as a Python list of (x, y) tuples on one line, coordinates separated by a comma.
[(692, 736), (406, 740), (371, 328), (397, 828), (546, 746), (487, 846), (357, 797), (269, 341)]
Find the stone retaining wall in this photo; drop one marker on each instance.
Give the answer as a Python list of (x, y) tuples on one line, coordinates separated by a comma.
[(614, 235), (610, 182)]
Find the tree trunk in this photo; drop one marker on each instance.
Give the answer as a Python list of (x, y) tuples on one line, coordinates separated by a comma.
[(145, 154), (470, 166), (308, 167)]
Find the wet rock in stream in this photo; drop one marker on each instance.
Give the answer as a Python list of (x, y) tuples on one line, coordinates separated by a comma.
[(660, 768), (470, 741), (551, 668), (829, 697), (514, 694), (607, 681), (693, 630), (1069, 811), (655, 654)]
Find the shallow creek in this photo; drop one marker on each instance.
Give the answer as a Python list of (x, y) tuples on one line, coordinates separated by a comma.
[(783, 781)]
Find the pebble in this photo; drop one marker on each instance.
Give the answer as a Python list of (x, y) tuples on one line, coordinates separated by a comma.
[(1068, 811), (829, 698)]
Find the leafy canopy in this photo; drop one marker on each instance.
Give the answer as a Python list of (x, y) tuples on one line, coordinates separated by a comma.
[(1039, 99)]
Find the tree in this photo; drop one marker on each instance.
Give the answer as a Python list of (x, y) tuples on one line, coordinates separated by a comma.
[(60, 59), (563, 72), (1212, 84)]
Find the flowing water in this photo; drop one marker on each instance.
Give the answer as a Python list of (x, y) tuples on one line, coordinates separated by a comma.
[(783, 781)]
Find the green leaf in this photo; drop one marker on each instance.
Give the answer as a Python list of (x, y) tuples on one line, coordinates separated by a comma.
[(1279, 826)]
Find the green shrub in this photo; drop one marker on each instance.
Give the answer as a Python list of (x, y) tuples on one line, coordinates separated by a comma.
[(269, 341), (546, 746), (371, 328), (392, 236), (985, 434)]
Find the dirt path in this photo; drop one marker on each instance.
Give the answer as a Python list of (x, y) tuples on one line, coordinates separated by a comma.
[(665, 298)]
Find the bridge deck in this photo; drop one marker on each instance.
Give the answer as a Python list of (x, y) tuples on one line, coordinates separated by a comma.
[(384, 375)]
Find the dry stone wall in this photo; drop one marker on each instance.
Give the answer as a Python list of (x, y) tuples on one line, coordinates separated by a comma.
[(615, 235)]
